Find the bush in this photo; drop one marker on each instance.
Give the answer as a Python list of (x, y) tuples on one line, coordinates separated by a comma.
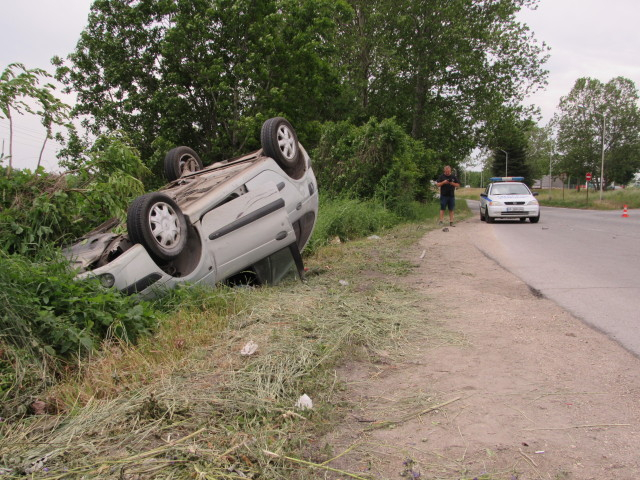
[(377, 160), (48, 312), (38, 209)]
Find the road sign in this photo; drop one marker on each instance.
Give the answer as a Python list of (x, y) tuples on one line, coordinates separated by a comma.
[(589, 177)]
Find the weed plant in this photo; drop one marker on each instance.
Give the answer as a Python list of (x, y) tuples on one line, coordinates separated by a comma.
[(48, 319)]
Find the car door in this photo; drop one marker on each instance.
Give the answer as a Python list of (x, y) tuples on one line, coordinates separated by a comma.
[(247, 229)]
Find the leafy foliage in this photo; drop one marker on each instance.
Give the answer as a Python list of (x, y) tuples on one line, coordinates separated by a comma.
[(204, 73), (446, 71), (541, 151), (596, 117), (42, 208), (511, 150), (45, 309), (207, 73), (18, 85), (378, 160)]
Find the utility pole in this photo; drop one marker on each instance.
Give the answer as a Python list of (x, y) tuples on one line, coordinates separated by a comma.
[(604, 119), (506, 162)]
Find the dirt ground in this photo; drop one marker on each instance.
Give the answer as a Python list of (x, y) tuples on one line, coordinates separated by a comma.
[(521, 390)]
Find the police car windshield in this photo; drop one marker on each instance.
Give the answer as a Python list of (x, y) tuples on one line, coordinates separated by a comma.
[(509, 189)]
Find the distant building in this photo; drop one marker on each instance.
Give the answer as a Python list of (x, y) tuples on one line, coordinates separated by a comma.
[(556, 182)]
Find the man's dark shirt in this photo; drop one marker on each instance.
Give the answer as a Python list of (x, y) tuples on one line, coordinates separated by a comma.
[(447, 189)]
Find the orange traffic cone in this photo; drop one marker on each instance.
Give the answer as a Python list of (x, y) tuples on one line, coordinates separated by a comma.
[(625, 214)]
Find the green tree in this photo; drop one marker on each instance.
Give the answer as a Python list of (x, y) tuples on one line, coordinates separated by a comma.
[(205, 73), (446, 70), (510, 150), (18, 85), (597, 119), (375, 160), (541, 151)]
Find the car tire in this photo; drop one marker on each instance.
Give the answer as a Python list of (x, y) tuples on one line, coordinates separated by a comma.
[(180, 161), (156, 222), (481, 216), (280, 142), (487, 217), (523, 219), (534, 219)]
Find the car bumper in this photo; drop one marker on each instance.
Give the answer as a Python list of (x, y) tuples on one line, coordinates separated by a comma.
[(506, 211), (135, 272)]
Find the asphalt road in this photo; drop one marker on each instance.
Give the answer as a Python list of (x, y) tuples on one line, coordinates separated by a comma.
[(586, 261)]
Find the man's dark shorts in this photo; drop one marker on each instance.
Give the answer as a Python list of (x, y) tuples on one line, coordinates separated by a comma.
[(447, 201)]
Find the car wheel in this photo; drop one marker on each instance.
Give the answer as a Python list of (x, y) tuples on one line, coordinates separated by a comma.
[(481, 216), (534, 219), (487, 217), (180, 161), (155, 221), (523, 219), (280, 142)]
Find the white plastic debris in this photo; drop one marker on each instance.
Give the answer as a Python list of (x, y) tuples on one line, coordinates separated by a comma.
[(38, 464), (373, 237), (344, 283), (424, 252), (304, 402), (249, 349)]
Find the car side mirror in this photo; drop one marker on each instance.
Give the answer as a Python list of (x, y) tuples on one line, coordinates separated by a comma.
[(483, 195), (535, 194)]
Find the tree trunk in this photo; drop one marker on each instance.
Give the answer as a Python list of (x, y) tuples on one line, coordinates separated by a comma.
[(418, 106), (10, 142), (44, 144)]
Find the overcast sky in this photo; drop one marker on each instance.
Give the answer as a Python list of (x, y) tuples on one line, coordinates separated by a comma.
[(594, 38)]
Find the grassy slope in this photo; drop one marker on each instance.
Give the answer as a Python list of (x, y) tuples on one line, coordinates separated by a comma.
[(187, 404)]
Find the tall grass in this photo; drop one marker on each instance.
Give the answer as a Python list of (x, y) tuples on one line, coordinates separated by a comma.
[(572, 198), (611, 199), (348, 219)]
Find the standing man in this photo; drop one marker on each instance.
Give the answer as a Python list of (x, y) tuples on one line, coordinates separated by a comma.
[(447, 182)]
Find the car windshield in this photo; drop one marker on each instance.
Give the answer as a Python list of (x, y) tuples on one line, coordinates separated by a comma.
[(510, 189)]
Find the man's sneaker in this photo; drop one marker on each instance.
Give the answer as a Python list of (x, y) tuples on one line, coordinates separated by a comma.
[(451, 224), (439, 222)]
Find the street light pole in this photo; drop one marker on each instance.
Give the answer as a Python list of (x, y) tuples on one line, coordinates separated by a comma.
[(506, 162), (550, 156), (604, 120)]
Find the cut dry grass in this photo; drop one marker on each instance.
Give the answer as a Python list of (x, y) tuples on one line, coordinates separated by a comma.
[(187, 404)]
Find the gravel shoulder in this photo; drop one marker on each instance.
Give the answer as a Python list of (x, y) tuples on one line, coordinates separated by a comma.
[(523, 391)]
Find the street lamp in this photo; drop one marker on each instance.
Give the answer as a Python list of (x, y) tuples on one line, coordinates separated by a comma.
[(506, 162), (550, 157), (604, 120)]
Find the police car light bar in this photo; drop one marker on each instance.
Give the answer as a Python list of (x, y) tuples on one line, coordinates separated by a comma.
[(506, 179)]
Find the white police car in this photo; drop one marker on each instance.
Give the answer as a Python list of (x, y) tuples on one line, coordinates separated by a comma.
[(509, 197)]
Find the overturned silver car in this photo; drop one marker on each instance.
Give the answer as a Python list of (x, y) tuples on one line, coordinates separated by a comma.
[(248, 218)]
